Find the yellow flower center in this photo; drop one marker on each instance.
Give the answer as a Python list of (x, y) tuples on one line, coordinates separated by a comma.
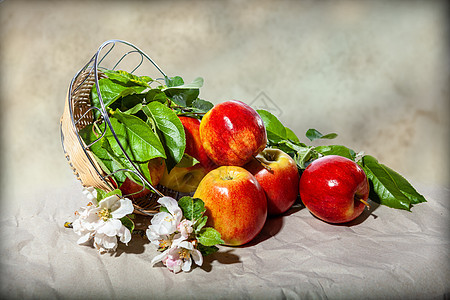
[(169, 219), (104, 214), (163, 244), (184, 253)]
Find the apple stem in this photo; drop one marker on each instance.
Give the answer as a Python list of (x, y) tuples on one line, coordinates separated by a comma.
[(266, 166), (365, 203)]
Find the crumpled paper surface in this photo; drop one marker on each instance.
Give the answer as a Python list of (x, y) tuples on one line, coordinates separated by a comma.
[(386, 253)]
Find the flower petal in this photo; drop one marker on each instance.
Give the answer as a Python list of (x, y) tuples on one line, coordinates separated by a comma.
[(174, 265), (124, 234), (159, 257), (172, 206), (84, 238), (125, 208), (168, 202), (110, 227), (187, 265), (186, 245), (153, 235), (197, 256), (177, 239), (111, 202), (91, 194), (164, 223), (160, 217), (109, 242)]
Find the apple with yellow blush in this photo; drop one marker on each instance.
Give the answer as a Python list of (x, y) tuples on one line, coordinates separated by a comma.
[(235, 203), (277, 173)]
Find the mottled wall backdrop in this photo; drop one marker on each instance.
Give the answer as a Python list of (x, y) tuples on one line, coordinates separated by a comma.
[(375, 72)]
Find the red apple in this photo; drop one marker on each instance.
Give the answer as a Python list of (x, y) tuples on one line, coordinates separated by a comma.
[(194, 145), (133, 190), (232, 133), (184, 180), (277, 174), (334, 189), (235, 203)]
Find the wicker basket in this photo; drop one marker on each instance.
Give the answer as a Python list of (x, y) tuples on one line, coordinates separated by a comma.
[(79, 113)]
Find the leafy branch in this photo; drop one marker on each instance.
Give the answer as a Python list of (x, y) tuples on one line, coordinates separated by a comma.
[(387, 186), (144, 119)]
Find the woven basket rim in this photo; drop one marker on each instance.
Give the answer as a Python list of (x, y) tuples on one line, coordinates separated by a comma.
[(82, 162)]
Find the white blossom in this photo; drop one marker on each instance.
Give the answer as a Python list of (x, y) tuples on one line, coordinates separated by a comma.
[(102, 222), (179, 257), (185, 228), (163, 226)]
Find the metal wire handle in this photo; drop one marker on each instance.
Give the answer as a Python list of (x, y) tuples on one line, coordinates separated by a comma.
[(94, 67)]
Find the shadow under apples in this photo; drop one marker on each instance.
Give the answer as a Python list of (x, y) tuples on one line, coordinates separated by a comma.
[(365, 214), (271, 227), (361, 218), (298, 206)]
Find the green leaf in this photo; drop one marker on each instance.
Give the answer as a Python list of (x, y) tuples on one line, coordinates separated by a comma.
[(305, 155), (182, 97), (173, 81), (178, 83), (139, 152), (193, 208), (128, 223), (113, 192), (128, 102), (386, 184), (142, 141), (290, 135), (208, 236), (99, 152), (155, 95), (115, 163), (128, 79), (134, 109), (290, 146), (202, 105), (186, 204), (184, 94), (404, 186), (199, 208), (276, 132), (110, 92), (171, 129), (101, 194), (313, 134), (336, 150)]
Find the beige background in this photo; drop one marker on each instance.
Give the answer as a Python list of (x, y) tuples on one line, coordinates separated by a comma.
[(375, 72)]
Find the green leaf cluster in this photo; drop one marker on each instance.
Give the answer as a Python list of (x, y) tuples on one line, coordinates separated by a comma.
[(143, 114), (193, 209), (387, 186)]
